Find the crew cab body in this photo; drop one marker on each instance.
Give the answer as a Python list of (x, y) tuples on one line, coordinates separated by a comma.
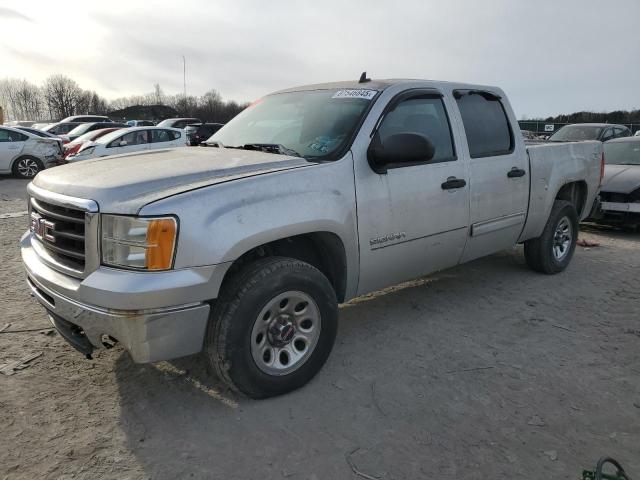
[(324, 190)]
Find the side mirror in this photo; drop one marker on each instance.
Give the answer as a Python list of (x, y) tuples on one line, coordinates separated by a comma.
[(399, 149), (123, 143)]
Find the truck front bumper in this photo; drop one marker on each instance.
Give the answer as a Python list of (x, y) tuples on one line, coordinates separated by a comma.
[(156, 316)]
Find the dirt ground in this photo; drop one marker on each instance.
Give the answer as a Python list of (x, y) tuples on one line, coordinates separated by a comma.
[(488, 370)]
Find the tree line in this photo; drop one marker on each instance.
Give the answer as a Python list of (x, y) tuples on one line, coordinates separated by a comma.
[(60, 96), (617, 116)]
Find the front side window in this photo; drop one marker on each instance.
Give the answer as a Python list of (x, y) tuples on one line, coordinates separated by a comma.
[(315, 124), (132, 138), (423, 115), (485, 124)]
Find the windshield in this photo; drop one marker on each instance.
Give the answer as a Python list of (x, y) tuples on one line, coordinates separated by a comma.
[(622, 153), (313, 123), (574, 133), (79, 130)]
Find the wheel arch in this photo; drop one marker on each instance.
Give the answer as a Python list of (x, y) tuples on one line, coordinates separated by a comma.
[(323, 249), (576, 193)]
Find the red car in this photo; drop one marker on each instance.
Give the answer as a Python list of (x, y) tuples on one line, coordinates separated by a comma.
[(72, 147)]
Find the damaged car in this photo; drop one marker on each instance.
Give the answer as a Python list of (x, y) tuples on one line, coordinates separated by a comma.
[(24, 154), (620, 192)]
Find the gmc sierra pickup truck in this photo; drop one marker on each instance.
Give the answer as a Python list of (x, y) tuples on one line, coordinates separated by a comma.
[(308, 198)]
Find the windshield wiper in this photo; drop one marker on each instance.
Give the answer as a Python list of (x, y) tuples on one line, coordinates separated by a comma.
[(270, 148)]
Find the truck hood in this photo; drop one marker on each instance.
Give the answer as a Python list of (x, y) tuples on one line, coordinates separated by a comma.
[(125, 183), (621, 178)]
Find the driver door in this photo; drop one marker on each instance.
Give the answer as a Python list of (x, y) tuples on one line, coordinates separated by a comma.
[(412, 220)]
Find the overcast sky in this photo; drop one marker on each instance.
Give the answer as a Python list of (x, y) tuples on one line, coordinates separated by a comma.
[(550, 57)]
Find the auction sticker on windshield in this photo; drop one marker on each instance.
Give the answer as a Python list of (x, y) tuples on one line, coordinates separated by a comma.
[(358, 93)]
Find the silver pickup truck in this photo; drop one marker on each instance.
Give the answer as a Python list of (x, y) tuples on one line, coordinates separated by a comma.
[(310, 197)]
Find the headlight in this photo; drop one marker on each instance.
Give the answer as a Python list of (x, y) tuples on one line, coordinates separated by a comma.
[(137, 242)]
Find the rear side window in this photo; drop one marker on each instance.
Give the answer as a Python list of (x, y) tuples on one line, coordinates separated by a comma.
[(158, 136), (485, 124), (423, 115)]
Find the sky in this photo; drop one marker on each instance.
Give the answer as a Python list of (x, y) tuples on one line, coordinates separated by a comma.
[(550, 57)]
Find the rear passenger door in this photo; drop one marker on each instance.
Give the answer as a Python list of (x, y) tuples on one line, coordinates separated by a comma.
[(498, 171)]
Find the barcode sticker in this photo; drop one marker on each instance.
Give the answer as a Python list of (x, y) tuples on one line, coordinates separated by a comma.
[(364, 94)]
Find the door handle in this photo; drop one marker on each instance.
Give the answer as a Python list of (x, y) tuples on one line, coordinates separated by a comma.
[(452, 183), (516, 172), (13, 148)]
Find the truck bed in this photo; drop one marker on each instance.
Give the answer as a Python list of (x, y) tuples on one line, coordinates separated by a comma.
[(553, 165)]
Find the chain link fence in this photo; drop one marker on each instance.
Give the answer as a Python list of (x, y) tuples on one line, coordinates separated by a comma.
[(547, 128)]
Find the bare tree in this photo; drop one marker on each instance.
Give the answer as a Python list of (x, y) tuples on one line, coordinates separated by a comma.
[(21, 99), (62, 95)]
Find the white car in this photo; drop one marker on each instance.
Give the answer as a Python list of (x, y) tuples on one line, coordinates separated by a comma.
[(25, 154), (129, 140)]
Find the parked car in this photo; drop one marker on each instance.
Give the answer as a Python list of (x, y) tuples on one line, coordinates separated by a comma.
[(637, 134), (72, 147), (196, 134), (85, 119), (178, 122), (315, 195), (589, 131), (24, 154), (620, 191), (129, 140), (140, 123), (61, 128), (89, 127)]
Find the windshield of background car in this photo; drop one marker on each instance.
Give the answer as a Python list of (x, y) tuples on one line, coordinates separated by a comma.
[(622, 153), (314, 123), (80, 129), (574, 133)]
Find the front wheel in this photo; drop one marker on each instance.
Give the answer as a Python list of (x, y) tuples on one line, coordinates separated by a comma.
[(551, 252), (272, 327)]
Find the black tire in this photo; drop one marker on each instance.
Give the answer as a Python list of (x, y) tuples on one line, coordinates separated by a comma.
[(228, 340), (28, 164), (539, 252)]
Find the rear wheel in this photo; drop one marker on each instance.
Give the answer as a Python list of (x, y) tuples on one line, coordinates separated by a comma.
[(552, 251), (27, 167), (272, 327)]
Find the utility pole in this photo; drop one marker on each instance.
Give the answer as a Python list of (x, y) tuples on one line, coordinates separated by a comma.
[(184, 77)]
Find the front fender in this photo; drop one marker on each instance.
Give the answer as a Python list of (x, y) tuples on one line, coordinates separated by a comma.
[(219, 223)]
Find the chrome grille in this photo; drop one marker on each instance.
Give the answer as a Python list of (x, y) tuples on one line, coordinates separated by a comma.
[(61, 231)]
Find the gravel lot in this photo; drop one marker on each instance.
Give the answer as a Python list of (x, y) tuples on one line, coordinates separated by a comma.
[(488, 370)]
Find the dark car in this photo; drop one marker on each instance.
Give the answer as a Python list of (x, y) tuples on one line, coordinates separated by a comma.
[(620, 191), (90, 127), (61, 128), (589, 131), (196, 134)]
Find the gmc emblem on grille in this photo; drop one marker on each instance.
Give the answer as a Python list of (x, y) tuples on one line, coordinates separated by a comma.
[(42, 228)]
